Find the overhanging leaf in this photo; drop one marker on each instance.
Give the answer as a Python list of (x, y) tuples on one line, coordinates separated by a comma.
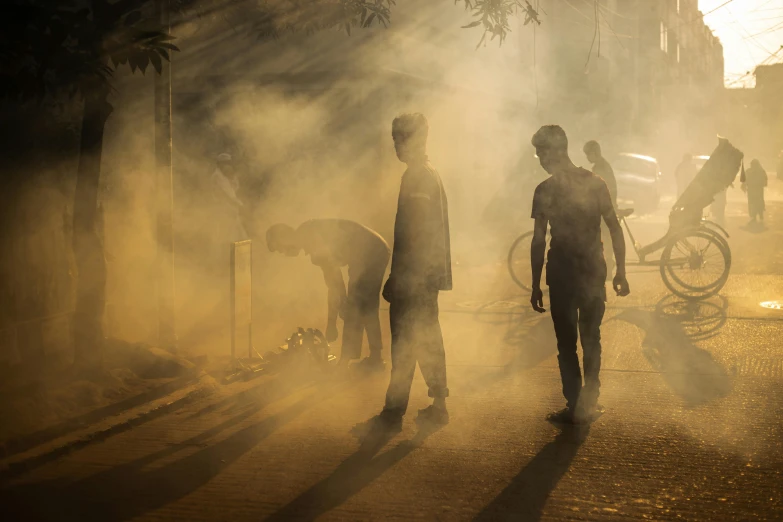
[(157, 63), (132, 18)]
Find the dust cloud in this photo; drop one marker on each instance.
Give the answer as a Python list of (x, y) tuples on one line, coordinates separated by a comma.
[(307, 122)]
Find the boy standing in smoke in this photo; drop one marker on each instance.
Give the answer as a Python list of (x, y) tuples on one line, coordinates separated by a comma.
[(573, 202), (421, 268)]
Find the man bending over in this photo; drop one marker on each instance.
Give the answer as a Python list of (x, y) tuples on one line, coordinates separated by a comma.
[(332, 244)]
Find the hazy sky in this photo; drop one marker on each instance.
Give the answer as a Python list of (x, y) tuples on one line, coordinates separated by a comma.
[(750, 30)]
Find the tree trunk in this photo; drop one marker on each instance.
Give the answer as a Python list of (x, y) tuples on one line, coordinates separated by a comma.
[(167, 332), (87, 236)]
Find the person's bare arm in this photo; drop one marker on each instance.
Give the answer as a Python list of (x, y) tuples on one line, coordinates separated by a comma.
[(537, 254), (620, 283)]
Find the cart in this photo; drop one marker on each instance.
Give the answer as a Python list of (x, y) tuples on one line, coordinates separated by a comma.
[(695, 258)]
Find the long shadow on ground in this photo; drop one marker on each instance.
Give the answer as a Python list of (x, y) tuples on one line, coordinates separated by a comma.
[(242, 405), (354, 474), (526, 496), (29, 441), (690, 371), (130, 490)]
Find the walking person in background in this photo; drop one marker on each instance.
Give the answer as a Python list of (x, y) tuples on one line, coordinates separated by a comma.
[(603, 170), (753, 184), (573, 202), (421, 268), (718, 207), (685, 173)]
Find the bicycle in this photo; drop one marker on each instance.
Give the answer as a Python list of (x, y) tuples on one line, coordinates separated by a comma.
[(695, 256), (694, 262)]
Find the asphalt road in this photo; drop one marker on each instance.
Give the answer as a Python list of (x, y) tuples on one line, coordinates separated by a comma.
[(692, 429)]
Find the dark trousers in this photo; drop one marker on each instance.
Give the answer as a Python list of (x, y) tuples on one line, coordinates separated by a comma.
[(756, 204), (362, 309), (578, 314), (416, 337)]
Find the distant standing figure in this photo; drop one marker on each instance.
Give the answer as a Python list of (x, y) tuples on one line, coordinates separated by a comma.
[(331, 244), (718, 207), (421, 268), (603, 170), (573, 201), (226, 183), (754, 183), (684, 173)]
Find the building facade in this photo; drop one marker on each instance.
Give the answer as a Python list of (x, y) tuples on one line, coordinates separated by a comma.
[(644, 74), (754, 116)]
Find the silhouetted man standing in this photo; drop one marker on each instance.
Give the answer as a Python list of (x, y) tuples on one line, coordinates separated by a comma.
[(753, 183), (573, 201), (421, 268), (331, 244), (603, 170)]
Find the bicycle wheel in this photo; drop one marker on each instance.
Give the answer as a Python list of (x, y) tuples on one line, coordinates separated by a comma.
[(695, 264), (519, 262)]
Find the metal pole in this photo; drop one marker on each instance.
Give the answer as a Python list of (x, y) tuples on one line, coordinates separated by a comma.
[(232, 292), (167, 336), (250, 308)]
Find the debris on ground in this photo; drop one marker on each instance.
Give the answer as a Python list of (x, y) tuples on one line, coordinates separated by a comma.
[(304, 349)]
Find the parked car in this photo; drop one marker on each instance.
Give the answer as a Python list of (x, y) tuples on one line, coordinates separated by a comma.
[(699, 161), (638, 180)]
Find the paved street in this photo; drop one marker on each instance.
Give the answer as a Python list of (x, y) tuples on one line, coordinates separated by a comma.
[(692, 429)]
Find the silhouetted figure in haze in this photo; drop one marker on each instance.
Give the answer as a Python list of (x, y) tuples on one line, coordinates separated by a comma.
[(684, 173), (421, 268), (332, 244), (603, 170), (718, 207), (754, 182), (573, 201), (226, 185)]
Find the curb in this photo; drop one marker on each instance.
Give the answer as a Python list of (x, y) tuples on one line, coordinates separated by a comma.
[(14, 469)]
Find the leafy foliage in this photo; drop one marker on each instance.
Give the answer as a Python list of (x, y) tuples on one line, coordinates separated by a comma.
[(273, 18), (71, 46), (74, 46), (493, 16)]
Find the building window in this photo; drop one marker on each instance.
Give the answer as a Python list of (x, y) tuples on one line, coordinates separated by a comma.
[(664, 38)]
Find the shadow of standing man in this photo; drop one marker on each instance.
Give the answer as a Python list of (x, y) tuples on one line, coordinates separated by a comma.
[(527, 494)]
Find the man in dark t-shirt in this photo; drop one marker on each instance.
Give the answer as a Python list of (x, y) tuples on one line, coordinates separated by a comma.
[(603, 170), (332, 244), (573, 202)]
